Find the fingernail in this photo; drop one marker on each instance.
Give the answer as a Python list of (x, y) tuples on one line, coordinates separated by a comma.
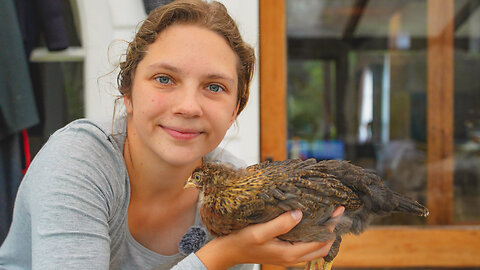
[(296, 214)]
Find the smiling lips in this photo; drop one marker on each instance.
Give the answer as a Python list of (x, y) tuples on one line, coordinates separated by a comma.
[(180, 134)]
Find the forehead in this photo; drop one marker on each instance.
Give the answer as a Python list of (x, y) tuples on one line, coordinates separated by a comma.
[(193, 48)]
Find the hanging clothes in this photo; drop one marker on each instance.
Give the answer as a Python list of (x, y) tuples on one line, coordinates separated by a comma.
[(43, 20), (10, 178), (45, 17), (17, 110)]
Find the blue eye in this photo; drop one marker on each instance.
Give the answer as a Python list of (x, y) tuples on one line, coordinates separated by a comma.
[(215, 88), (163, 79)]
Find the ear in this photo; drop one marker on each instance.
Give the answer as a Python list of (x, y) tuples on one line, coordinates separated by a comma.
[(234, 115), (127, 100)]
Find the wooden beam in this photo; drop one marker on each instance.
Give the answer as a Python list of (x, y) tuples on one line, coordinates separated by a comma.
[(273, 82), (440, 112), (465, 12), (327, 48), (410, 246), (354, 19)]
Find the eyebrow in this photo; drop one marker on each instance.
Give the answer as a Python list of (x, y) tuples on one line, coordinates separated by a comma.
[(177, 70), (220, 76), (164, 66)]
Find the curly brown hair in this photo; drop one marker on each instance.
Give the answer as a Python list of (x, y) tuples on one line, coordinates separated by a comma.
[(211, 15)]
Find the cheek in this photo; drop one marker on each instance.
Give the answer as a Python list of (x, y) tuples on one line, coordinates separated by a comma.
[(151, 105), (156, 102), (224, 120)]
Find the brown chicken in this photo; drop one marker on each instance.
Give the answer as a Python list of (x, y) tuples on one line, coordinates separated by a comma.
[(235, 198)]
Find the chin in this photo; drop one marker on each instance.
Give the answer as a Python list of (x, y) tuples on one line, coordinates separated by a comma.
[(186, 154), (180, 158), (182, 163)]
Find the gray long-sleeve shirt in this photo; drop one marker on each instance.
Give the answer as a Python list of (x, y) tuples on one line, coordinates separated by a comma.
[(71, 208)]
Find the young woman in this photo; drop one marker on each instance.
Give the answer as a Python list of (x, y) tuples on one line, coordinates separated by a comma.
[(103, 197)]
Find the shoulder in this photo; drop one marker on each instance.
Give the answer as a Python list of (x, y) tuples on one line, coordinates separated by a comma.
[(83, 146), (109, 133), (80, 156), (87, 139)]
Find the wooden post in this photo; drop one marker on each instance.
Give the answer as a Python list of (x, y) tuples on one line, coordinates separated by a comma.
[(273, 81), (440, 22)]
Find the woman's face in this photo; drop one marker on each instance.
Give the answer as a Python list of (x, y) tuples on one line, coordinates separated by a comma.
[(184, 94)]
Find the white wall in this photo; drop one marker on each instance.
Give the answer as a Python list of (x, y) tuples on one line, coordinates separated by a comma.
[(244, 139), (107, 24)]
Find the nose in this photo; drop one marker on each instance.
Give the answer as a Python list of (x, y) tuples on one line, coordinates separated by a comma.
[(187, 102)]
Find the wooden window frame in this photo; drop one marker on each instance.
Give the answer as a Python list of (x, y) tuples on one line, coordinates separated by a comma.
[(439, 244)]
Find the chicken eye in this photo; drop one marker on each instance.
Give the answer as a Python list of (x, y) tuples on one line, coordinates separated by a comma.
[(197, 177)]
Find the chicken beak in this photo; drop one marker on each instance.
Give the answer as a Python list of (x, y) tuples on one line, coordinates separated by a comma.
[(190, 183)]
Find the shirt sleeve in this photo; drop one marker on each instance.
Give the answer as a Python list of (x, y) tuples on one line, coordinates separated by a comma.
[(68, 195)]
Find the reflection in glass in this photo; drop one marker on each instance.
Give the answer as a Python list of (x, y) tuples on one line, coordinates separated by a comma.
[(365, 107), (312, 130), (467, 135), (357, 90)]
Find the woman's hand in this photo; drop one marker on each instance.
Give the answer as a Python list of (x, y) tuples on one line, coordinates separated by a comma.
[(259, 244)]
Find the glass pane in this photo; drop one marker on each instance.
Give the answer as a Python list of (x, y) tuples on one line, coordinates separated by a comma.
[(311, 86), (467, 117), (357, 90)]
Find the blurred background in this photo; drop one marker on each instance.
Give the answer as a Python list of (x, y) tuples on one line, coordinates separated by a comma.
[(357, 85), (390, 85)]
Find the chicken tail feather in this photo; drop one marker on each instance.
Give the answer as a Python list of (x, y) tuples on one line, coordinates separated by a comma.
[(409, 206)]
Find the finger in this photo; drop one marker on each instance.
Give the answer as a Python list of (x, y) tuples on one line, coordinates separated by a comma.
[(318, 253), (335, 218), (338, 211), (277, 226), (302, 249), (305, 251)]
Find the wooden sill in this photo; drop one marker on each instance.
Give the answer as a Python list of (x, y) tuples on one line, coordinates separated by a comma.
[(410, 246)]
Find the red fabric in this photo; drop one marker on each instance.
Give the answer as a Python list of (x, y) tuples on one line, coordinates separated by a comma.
[(26, 150)]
